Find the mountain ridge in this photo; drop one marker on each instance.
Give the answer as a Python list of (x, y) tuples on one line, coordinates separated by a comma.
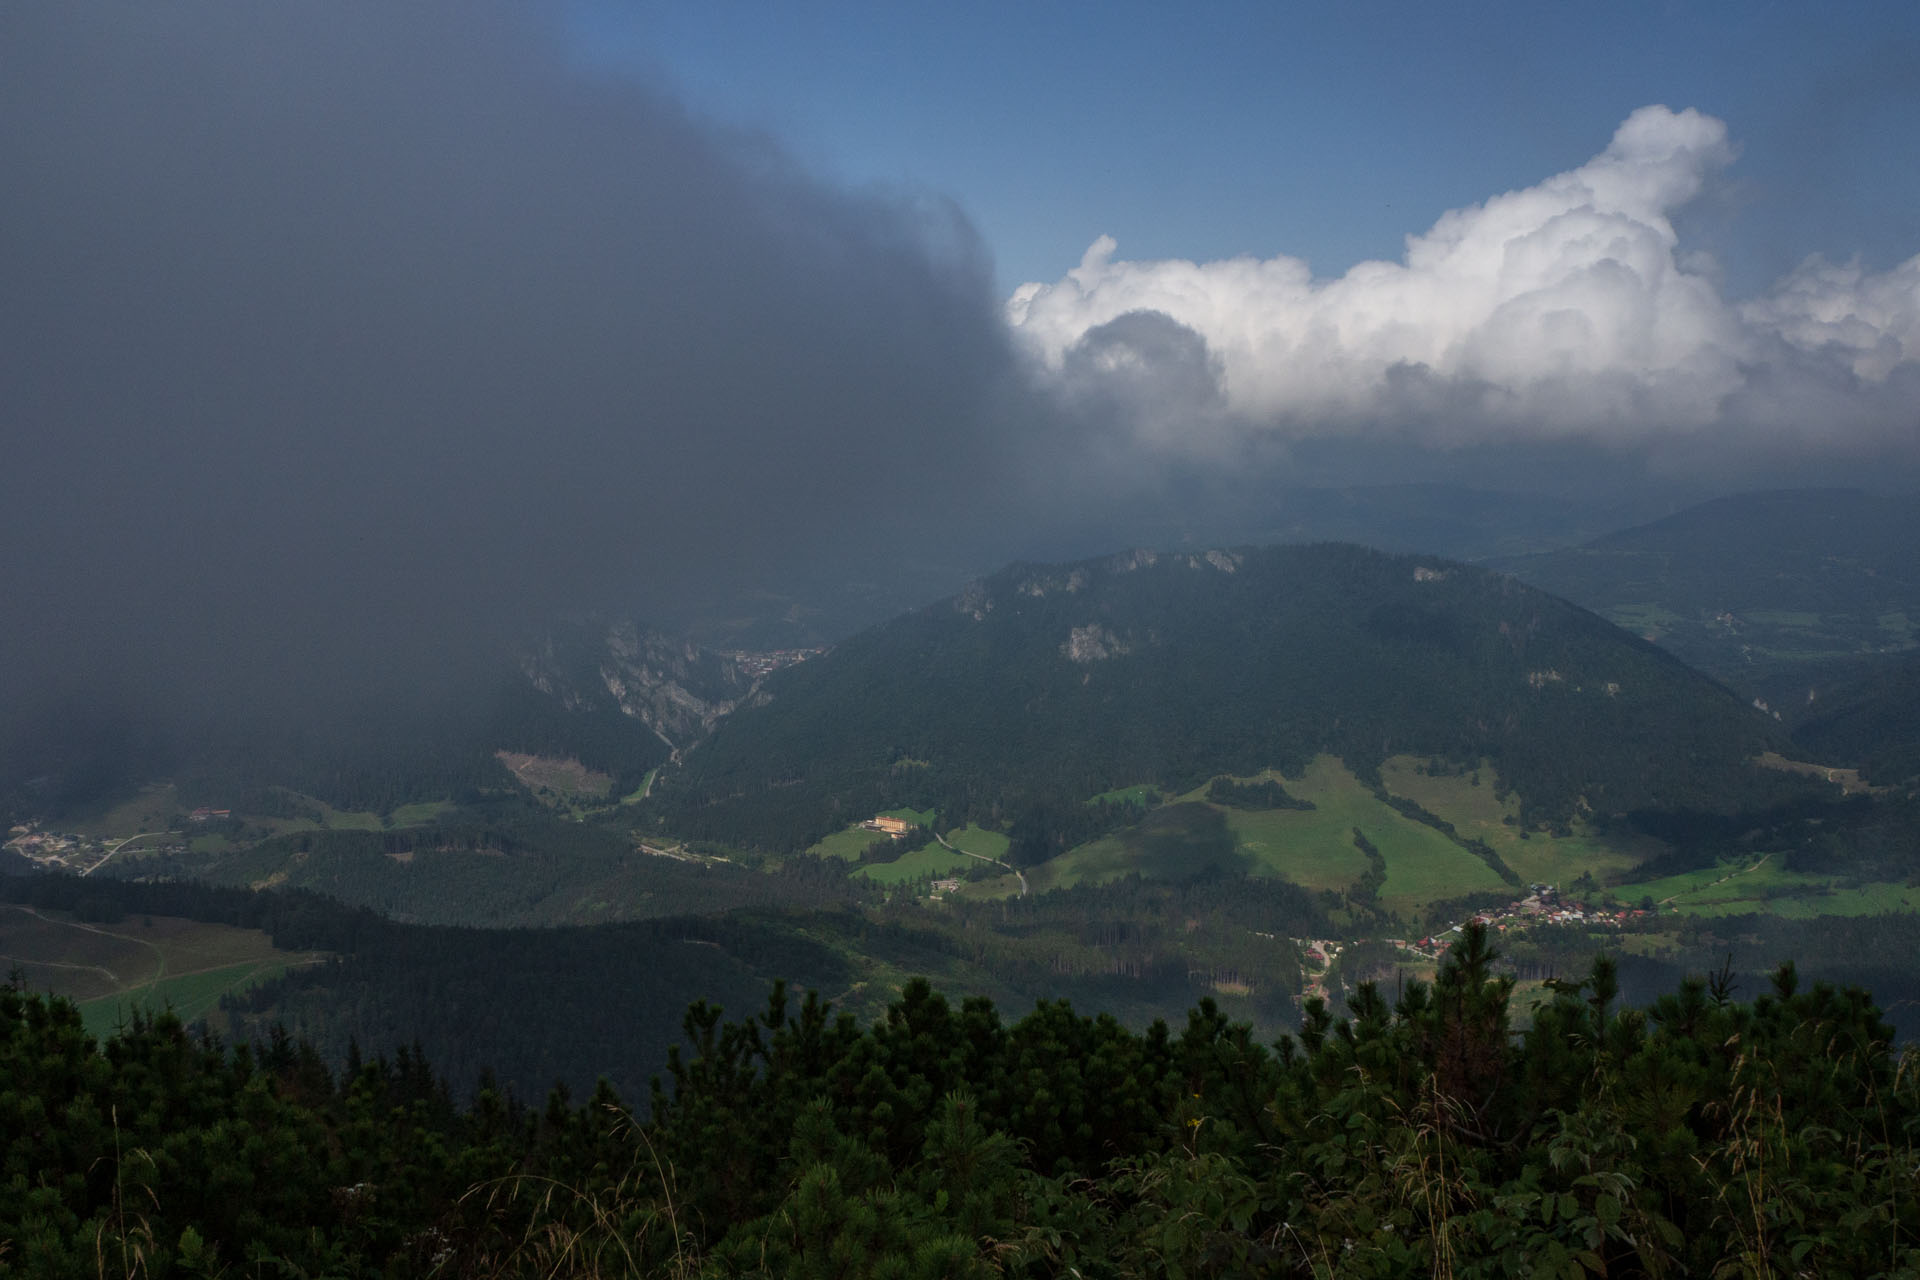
[(1161, 667)]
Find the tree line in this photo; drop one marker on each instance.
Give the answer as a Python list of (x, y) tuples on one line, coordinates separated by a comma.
[(1701, 1134)]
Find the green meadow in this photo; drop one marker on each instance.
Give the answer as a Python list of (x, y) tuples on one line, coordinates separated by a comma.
[(190, 996), (1478, 814), (929, 863), (142, 962), (1763, 885), (1314, 848), (974, 838)]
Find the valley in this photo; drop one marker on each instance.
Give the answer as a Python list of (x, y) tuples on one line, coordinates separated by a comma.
[(1135, 781)]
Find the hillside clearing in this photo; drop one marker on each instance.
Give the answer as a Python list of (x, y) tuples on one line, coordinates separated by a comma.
[(145, 962)]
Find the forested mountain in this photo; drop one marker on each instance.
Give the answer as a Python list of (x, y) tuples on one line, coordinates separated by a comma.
[(1753, 587), (1064, 681)]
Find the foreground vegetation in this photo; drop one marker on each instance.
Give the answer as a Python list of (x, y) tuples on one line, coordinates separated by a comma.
[(1702, 1135)]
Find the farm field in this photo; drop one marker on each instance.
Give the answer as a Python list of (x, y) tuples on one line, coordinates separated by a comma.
[(847, 844), (191, 996), (927, 863), (1763, 885), (1315, 849), (1478, 814), (974, 838), (143, 962)]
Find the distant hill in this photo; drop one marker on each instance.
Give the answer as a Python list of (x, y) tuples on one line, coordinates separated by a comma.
[(1062, 681), (1760, 589), (1434, 519)]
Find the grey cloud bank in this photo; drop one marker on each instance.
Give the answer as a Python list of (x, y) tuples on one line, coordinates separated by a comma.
[(338, 343), (332, 336)]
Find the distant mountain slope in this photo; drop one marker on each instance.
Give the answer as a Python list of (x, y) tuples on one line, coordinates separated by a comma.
[(1066, 680), (1872, 723), (1748, 586), (1434, 519), (675, 687)]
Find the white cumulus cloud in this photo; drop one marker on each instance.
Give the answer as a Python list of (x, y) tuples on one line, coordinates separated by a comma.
[(1565, 310)]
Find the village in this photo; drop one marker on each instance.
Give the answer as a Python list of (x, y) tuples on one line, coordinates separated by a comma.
[(84, 854), (757, 664), (1543, 905), (55, 851)]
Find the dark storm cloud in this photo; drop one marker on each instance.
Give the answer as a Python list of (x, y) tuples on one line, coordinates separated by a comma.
[(334, 336)]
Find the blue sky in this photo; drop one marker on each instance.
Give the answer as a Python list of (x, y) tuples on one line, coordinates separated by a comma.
[(1322, 131)]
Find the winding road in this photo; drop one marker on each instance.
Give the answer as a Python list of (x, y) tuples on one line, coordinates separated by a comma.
[(984, 858), (117, 848)]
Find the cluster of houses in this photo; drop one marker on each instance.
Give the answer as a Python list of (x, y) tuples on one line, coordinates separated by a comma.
[(54, 850), (756, 663), (1542, 905)]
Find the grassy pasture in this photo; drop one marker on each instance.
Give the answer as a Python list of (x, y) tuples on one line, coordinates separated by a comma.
[(974, 838), (341, 819), (927, 863), (847, 844), (78, 961), (1763, 885), (1478, 815), (1315, 847), (1174, 841), (1421, 869), (419, 815), (143, 961), (1312, 848), (191, 996)]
